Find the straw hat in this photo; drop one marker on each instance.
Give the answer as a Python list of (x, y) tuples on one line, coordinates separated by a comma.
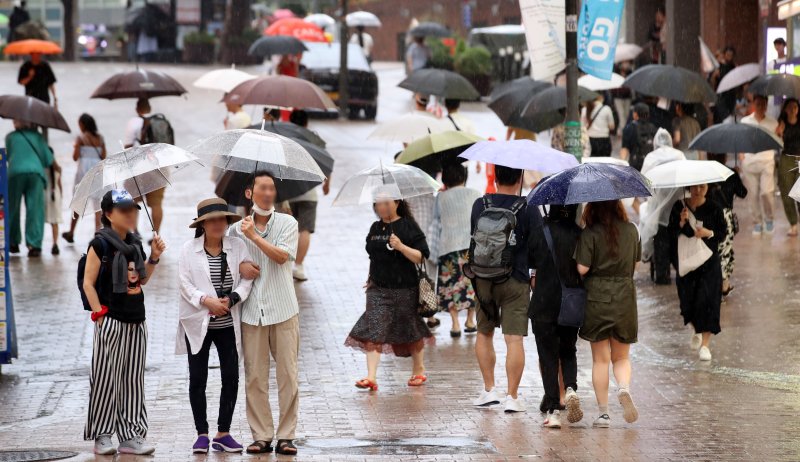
[(212, 208)]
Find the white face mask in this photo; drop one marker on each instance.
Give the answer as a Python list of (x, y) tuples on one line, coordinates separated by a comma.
[(262, 212)]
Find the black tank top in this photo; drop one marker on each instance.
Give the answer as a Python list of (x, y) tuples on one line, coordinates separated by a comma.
[(791, 139)]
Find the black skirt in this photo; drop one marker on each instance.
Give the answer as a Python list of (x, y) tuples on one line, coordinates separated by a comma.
[(700, 296)]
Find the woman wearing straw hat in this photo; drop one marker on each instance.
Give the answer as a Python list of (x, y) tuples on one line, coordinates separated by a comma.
[(211, 290)]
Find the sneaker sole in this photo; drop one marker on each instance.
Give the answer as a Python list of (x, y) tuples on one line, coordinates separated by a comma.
[(200, 451), (222, 448), (135, 452), (552, 426), (490, 403), (629, 411), (574, 411), (107, 452), (602, 425)]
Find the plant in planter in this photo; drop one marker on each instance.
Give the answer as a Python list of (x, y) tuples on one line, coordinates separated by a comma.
[(441, 57), (198, 47), (475, 64)]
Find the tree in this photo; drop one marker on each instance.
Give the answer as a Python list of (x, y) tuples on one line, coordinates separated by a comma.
[(70, 11), (237, 18)]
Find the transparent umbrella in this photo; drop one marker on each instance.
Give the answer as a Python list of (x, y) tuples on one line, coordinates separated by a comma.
[(388, 182), (140, 170), (410, 127)]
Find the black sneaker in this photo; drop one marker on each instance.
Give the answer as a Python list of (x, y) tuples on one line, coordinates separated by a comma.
[(55, 250), (34, 252), (69, 237), (13, 248)]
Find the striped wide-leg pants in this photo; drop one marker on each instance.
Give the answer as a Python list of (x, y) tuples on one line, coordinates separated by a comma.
[(116, 402)]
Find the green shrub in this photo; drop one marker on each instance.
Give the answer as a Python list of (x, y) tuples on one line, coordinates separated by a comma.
[(474, 61), (198, 38)]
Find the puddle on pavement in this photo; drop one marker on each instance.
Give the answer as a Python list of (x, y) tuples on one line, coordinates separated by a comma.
[(405, 446)]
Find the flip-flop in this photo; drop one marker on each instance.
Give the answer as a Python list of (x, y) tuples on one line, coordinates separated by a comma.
[(417, 380), (367, 384)]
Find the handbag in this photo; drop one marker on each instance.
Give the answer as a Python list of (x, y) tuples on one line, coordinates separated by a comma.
[(428, 303), (692, 252), (573, 299)]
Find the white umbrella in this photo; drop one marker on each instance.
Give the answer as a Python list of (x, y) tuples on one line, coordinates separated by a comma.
[(626, 52), (740, 75), (363, 19), (681, 173), (222, 79), (396, 181), (322, 20), (410, 127), (795, 192), (596, 84), (604, 160)]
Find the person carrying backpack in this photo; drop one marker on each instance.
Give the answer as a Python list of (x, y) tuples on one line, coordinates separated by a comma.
[(637, 137), (148, 128), (498, 267)]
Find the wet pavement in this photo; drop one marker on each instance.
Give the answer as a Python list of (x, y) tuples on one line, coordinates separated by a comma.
[(741, 406)]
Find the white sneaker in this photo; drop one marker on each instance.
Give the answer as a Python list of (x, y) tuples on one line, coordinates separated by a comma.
[(298, 273), (705, 354), (553, 420), (629, 411), (136, 445), (514, 405), (696, 341), (487, 398), (103, 446), (604, 421), (573, 405)]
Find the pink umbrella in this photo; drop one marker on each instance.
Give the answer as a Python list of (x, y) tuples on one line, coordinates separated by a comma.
[(283, 13)]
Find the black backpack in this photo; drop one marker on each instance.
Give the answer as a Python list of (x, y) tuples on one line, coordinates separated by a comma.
[(82, 269), (645, 132), (156, 129), (493, 243)]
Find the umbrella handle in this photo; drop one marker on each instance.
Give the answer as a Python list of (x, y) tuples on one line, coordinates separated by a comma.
[(144, 199)]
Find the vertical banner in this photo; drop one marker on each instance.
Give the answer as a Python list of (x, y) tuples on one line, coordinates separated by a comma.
[(598, 28), (544, 25), (8, 333)]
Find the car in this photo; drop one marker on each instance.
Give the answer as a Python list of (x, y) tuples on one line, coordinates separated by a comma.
[(320, 65)]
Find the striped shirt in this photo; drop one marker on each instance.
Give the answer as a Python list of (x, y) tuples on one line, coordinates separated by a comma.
[(215, 269), (272, 300)]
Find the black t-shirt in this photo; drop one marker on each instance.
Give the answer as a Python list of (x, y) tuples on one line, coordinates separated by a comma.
[(527, 219), (546, 301), (127, 307), (390, 268), (39, 85)]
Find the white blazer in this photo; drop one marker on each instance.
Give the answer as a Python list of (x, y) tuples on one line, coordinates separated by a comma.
[(195, 282)]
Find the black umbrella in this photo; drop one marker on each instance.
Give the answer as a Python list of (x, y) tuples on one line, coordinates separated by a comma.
[(509, 100), (776, 85), (553, 99), (671, 82), (439, 82), (31, 110), (138, 84), (735, 138), (430, 29), (150, 19), (293, 131), (276, 45)]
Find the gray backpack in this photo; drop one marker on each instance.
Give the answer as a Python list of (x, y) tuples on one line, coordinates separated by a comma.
[(493, 244)]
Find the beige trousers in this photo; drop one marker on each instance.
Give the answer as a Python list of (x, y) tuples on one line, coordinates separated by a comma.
[(282, 342)]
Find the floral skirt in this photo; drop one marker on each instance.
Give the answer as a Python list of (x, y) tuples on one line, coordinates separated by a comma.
[(454, 288), (391, 323)]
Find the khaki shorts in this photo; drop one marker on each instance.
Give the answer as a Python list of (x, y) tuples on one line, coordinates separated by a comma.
[(512, 298), (155, 198)]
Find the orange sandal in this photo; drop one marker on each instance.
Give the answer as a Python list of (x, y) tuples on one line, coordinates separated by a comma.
[(417, 380), (367, 383)]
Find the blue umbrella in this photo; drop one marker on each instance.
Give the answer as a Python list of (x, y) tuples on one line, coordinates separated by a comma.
[(523, 154), (590, 183)]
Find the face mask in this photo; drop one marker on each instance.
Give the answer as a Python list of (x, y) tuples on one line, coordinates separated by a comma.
[(262, 212)]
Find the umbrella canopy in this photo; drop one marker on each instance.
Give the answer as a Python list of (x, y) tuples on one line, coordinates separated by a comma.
[(553, 99), (776, 85), (739, 75), (438, 143), (362, 19), (430, 29), (138, 84), (26, 47), (410, 127), (440, 82), (523, 154), (794, 193), (508, 100), (681, 173), (320, 20), (140, 170), (671, 82), (290, 130), (593, 83), (590, 183), (604, 160), (222, 79), (297, 28), (31, 110), (735, 138), (627, 52), (395, 181), (280, 91), (276, 45)]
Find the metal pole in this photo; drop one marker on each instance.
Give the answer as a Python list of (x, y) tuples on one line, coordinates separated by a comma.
[(343, 78), (572, 124)]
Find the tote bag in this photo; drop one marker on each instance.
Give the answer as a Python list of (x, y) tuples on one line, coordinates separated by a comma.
[(692, 252)]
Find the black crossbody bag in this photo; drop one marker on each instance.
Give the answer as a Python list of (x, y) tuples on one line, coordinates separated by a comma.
[(573, 299)]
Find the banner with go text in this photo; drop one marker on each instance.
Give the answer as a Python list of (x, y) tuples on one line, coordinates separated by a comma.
[(598, 29)]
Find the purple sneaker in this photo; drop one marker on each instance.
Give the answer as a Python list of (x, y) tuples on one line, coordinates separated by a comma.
[(201, 445), (227, 444)]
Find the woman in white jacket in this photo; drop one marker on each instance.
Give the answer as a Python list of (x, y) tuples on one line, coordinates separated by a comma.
[(211, 293)]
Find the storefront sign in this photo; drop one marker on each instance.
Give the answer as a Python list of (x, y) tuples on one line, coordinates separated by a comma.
[(544, 22), (598, 29), (8, 333)]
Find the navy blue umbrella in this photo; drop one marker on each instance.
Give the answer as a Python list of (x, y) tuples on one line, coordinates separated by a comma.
[(590, 183)]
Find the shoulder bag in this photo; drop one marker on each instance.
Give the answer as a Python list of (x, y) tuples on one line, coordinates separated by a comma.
[(573, 299), (428, 303)]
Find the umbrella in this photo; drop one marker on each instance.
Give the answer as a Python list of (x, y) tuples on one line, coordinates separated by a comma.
[(681, 173), (290, 130), (297, 28), (627, 52), (282, 13), (523, 154), (138, 84), (26, 47), (592, 182), (440, 82), (776, 85), (553, 99), (508, 100), (604, 160), (438, 143), (735, 138), (671, 82), (222, 79), (276, 45), (430, 29), (320, 20), (31, 110), (593, 83), (739, 75), (794, 193), (280, 91), (394, 181), (362, 19), (3, 20), (140, 170), (410, 127)]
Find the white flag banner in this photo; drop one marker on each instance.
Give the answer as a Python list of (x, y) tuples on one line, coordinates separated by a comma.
[(708, 62), (544, 22)]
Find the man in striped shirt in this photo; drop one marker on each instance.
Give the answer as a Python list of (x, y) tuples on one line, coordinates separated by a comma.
[(270, 317)]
